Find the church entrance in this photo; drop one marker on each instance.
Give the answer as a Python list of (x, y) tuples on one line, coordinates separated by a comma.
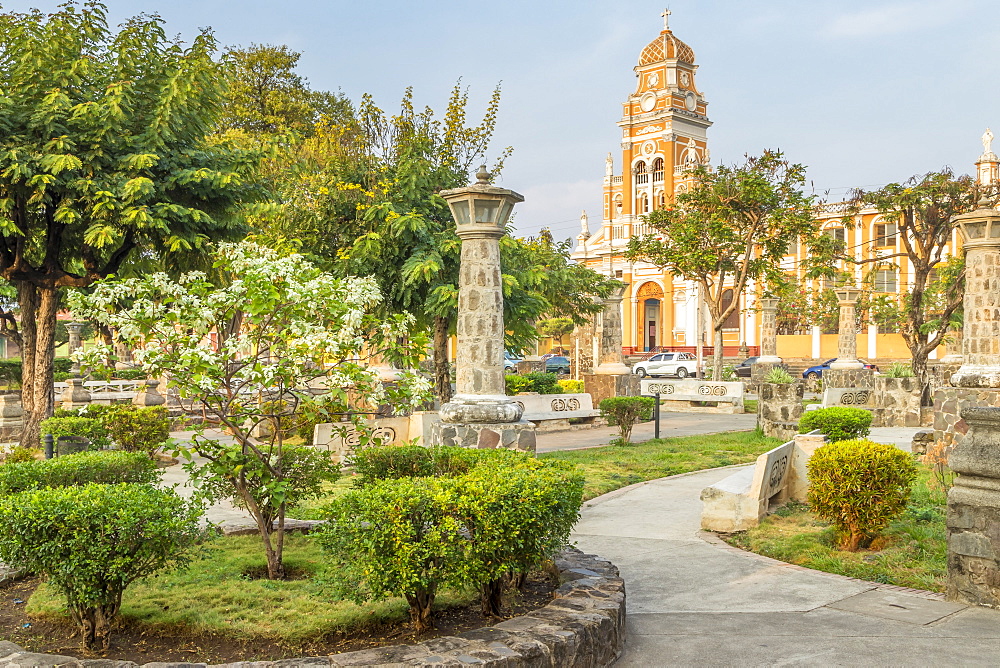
[(651, 320)]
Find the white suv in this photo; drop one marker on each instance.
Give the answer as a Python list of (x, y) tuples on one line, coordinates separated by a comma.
[(681, 365)]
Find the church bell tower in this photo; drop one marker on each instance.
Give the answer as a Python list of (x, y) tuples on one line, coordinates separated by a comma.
[(664, 127)]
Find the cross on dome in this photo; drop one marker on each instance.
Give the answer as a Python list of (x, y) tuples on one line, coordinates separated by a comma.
[(666, 18)]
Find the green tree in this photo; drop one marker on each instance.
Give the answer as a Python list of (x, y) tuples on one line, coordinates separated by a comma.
[(299, 330), (361, 199), (734, 225), (266, 96), (922, 208), (556, 328), (103, 156)]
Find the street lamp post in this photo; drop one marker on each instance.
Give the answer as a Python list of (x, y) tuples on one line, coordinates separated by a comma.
[(480, 414)]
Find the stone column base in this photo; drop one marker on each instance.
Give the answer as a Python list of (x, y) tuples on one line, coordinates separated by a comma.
[(601, 386), (779, 408), (973, 546), (949, 402), (508, 435), (850, 378)]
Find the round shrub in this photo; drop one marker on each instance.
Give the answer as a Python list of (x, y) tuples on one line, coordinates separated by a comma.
[(137, 428), (625, 412), (503, 512), (92, 542), (20, 454), (102, 467), (859, 486), (838, 423)]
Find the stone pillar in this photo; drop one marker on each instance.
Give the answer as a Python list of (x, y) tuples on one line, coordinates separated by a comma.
[(779, 408), (612, 362), (768, 332), (846, 370), (11, 418), (148, 395), (75, 342), (974, 501), (981, 335), (480, 414), (953, 348), (582, 349), (974, 511), (75, 395), (977, 380), (768, 358), (847, 339)]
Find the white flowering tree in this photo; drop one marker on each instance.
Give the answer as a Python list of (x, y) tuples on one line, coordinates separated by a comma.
[(279, 337)]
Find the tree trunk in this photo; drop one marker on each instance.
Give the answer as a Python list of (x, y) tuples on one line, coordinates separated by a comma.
[(491, 597), (95, 625), (717, 354), (442, 375), (919, 365), (420, 610), (38, 314)]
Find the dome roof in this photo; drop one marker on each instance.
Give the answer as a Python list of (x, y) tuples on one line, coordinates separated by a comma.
[(665, 47)]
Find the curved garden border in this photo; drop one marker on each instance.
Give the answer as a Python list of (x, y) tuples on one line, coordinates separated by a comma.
[(583, 626)]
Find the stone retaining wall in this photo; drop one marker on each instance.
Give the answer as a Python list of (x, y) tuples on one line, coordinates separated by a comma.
[(584, 626)]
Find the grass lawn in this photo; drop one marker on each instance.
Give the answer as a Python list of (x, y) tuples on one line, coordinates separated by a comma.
[(610, 467), (910, 553), (214, 594)]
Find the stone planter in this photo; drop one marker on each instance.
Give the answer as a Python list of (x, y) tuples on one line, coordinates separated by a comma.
[(779, 409), (897, 402)]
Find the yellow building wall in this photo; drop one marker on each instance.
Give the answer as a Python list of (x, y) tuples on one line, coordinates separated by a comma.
[(794, 345)]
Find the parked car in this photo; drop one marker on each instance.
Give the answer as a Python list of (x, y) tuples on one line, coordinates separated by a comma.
[(743, 368), (558, 364), (681, 365), (510, 362), (817, 371)]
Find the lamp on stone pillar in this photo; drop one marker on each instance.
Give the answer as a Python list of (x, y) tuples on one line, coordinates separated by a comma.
[(847, 340), (612, 361), (981, 330), (480, 414)]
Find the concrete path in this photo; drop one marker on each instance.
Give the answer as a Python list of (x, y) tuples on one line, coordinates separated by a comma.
[(692, 602)]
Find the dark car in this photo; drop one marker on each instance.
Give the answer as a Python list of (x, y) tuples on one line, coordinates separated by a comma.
[(817, 371), (743, 368), (557, 364)]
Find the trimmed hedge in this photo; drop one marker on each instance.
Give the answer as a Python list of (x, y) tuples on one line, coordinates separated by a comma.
[(102, 467), (10, 369), (859, 486), (536, 381), (468, 518), (90, 428), (92, 542), (839, 423)]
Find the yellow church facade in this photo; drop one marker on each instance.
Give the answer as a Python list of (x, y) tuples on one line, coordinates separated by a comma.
[(664, 128)]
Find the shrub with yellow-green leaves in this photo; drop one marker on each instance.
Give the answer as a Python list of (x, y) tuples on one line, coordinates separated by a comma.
[(859, 486), (469, 518)]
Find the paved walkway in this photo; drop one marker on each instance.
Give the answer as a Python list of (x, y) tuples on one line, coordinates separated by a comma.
[(671, 424), (694, 602)]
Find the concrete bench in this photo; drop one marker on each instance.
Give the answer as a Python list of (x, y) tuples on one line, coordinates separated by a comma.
[(738, 502), (679, 395)]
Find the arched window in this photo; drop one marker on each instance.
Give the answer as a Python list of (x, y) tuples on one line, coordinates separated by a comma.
[(663, 200), (657, 170), (618, 205), (641, 175), (644, 204)]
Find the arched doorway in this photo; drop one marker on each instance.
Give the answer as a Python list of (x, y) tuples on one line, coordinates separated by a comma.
[(650, 297)]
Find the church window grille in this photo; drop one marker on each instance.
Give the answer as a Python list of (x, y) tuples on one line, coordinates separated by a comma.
[(657, 170), (641, 175)]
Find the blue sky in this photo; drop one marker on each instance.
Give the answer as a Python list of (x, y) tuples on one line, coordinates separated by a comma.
[(864, 92)]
